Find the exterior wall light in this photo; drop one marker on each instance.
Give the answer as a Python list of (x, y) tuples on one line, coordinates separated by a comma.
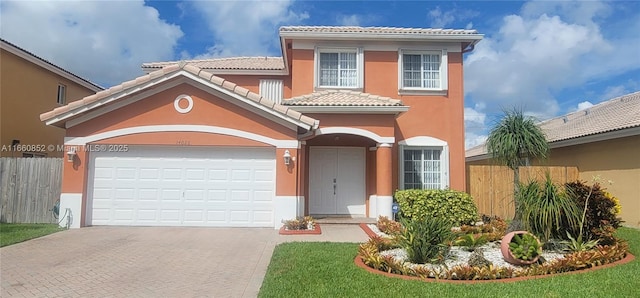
[(287, 157), (71, 154)]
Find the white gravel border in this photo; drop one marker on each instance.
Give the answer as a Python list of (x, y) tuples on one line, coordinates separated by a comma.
[(459, 256)]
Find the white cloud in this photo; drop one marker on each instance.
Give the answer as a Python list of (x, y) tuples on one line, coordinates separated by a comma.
[(246, 27), (614, 91), (349, 20), (472, 139), (475, 126), (548, 48), (531, 58), (473, 116), (102, 41), (440, 19), (443, 19), (584, 105)]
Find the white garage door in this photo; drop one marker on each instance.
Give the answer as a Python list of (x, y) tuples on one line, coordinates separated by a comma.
[(182, 186)]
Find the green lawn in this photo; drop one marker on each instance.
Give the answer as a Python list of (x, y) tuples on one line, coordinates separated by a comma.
[(14, 233), (307, 269)]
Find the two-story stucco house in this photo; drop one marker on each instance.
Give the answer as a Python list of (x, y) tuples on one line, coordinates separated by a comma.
[(31, 86), (346, 116)]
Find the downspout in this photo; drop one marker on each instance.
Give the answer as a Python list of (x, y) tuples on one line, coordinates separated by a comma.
[(469, 48)]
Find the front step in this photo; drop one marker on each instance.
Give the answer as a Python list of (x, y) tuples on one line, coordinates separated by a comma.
[(343, 220)]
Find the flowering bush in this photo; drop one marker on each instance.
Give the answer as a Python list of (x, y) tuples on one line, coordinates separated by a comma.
[(300, 223)]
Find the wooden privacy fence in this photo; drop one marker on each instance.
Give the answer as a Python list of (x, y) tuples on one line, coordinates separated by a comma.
[(29, 188), (492, 186)]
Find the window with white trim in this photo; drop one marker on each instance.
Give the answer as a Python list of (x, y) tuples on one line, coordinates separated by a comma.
[(62, 94), (423, 168), (339, 68), (423, 70)]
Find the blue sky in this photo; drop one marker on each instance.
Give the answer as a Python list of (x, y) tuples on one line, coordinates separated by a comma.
[(546, 57)]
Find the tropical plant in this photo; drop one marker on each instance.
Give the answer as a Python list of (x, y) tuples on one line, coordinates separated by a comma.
[(525, 247), (547, 210), (580, 245), (388, 226), (599, 211), (514, 138), (455, 206), (470, 241), (425, 239)]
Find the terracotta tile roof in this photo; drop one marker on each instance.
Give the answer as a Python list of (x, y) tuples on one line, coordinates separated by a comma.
[(208, 76), (376, 30), (233, 63), (615, 114), (476, 151), (341, 98)]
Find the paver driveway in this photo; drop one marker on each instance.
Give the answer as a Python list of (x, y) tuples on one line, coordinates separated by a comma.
[(139, 262)]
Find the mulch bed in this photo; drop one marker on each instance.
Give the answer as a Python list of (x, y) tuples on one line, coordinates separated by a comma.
[(316, 231)]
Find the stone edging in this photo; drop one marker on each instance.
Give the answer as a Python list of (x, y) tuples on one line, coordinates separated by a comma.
[(367, 230), (358, 261), (316, 231)]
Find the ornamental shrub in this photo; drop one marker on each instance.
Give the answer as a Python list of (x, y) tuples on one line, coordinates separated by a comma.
[(547, 211), (455, 206), (601, 218), (426, 239)]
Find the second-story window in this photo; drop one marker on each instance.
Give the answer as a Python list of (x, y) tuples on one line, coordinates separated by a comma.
[(423, 70), (62, 94), (339, 68)]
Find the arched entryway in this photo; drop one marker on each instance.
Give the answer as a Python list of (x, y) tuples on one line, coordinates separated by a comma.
[(348, 173)]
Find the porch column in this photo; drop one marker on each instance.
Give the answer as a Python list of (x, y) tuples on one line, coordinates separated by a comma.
[(383, 180)]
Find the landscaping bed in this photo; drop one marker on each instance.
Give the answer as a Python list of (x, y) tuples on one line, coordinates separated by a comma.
[(439, 235), (324, 269)]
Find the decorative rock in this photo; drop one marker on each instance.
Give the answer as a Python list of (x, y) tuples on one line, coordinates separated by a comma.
[(477, 259)]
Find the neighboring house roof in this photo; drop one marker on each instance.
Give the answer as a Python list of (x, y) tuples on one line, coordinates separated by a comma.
[(341, 98), (62, 114), (617, 115), (24, 54), (233, 63)]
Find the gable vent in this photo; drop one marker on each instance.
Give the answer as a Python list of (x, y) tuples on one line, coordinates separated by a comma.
[(272, 89)]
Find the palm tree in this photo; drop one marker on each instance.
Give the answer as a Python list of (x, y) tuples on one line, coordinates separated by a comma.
[(514, 138)]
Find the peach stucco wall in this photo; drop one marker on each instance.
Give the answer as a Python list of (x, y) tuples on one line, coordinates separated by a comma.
[(159, 109), (439, 116)]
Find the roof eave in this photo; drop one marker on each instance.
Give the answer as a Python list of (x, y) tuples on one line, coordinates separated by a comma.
[(473, 38), (615, 134), (60, 120), (13, 49), (350, 109), (252, 72)]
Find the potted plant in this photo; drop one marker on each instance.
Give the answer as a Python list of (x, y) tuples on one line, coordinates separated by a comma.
[(520, 248)]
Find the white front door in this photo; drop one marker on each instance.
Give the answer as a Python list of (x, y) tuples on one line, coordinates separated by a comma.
[(337, 180)]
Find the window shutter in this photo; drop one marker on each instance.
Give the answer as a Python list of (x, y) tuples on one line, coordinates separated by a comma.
[(272, 89)]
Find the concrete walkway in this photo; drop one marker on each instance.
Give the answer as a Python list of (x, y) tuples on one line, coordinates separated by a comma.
[(149, 262)]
